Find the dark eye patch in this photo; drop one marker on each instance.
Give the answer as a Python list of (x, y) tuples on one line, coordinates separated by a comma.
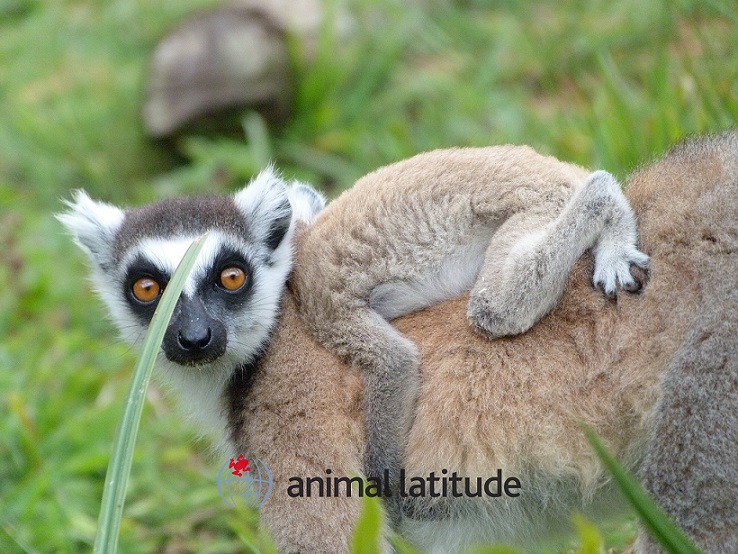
[(218, 301), (226, 258), (140, 268)]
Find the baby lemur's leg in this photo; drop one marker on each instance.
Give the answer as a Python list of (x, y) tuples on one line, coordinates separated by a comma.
[(389, 365), (529, 258)]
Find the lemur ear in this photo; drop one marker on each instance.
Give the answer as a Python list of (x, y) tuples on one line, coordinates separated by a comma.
[(306, 202), (93, 225), (266, 207)]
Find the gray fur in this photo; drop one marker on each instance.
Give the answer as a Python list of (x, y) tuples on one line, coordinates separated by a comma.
[(691, 463), (690, 467), (529, 258), (180, 217)]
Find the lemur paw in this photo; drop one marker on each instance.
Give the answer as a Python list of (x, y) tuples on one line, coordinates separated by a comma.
[(612, 269)]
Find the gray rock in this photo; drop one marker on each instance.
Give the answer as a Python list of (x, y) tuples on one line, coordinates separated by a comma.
[(230, 58)]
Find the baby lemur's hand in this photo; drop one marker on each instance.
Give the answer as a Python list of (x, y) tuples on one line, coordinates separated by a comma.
[(613, 263), (616, 249)]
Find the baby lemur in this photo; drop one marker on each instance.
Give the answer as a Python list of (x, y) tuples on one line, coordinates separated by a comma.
[(503, 221)]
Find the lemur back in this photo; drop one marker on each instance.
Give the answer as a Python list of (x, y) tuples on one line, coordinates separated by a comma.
[(659, 364), (503, 221)]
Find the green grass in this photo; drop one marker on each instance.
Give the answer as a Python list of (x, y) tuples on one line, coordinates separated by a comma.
[(124, 444), (604, 84), (672, 539)]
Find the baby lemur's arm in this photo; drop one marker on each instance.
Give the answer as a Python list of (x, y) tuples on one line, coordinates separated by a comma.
[(504, 220), (530, 256)]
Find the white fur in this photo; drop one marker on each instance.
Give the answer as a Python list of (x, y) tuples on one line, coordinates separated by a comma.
[(263, 200), (616, 248), (456, 275), (200, 390), (306, 202), (92, 224)]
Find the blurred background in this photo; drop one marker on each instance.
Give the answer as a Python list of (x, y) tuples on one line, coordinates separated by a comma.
[(135, 100)]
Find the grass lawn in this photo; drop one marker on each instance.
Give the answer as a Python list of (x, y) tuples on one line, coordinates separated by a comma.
[(605, 84)]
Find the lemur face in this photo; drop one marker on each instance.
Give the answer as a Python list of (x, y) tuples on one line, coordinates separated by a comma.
[(229, 303)]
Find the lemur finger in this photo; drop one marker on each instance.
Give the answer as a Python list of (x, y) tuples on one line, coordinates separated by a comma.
[(633, 286), (640, 276), (629, 283), (606, 288), (639, 259)]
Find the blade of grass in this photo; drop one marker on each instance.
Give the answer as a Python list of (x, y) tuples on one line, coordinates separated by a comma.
[(257, 137), (119, 468), (658, 524), (366, 537), (590, 538)]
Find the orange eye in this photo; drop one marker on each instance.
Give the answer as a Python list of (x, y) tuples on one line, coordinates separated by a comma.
[(146, 290), (232, 278)]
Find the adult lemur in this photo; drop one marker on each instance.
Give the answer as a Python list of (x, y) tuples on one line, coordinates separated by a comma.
[(516, 403), (402, 238)]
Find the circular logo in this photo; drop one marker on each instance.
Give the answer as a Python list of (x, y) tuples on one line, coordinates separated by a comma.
[(249, 483)]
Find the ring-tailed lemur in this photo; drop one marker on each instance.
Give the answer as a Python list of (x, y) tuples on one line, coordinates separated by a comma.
[(593, 361), (230, 301), (517, 226), (503, 221)]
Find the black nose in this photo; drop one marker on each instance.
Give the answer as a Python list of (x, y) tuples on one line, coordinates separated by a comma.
[(193, 340), (194, 337)]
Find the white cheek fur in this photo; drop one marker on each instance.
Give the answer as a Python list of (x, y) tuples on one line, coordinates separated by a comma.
[(200, 390)]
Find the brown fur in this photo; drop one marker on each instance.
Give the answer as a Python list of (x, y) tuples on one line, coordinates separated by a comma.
[(512, 403), (504, 219)]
